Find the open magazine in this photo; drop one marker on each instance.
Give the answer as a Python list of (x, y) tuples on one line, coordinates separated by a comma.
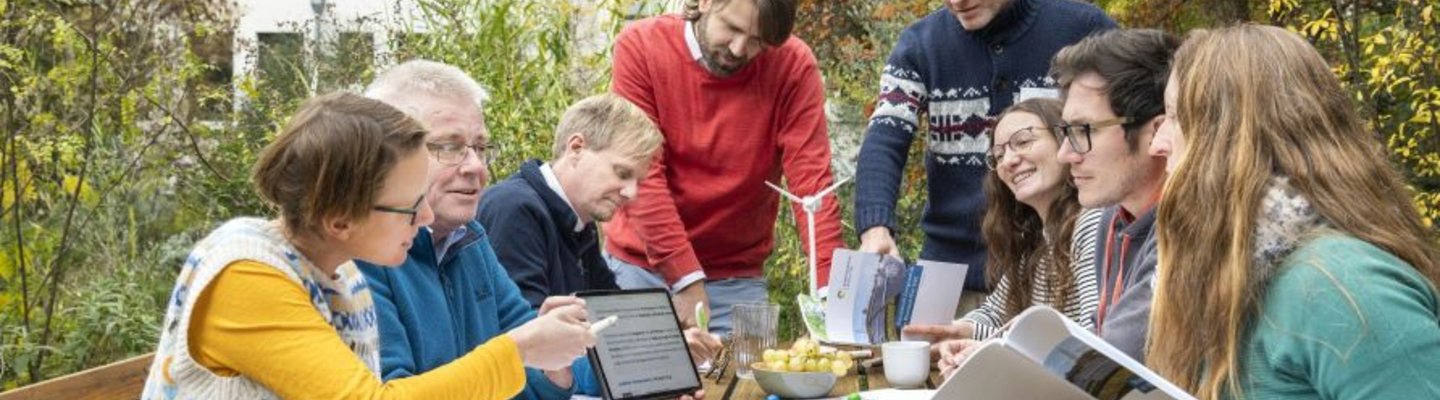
[(1045, 355), (873, 296)]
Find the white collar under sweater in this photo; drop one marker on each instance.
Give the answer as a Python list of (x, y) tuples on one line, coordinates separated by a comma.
[(693, 43), (553, 182), (344, 302)]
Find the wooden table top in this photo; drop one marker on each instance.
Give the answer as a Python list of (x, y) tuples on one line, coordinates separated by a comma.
[(728, 387)]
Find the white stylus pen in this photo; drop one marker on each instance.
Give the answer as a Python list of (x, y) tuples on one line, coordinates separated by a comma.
[(604, 323)]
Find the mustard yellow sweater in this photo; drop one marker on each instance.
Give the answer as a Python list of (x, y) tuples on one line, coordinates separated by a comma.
[(254, 321)]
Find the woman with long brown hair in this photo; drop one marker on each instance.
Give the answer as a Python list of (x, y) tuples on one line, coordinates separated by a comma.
[(1040, 243), (1292, 261)]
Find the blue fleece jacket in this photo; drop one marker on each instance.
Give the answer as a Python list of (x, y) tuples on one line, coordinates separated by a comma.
[(961, 80), (432, 312)]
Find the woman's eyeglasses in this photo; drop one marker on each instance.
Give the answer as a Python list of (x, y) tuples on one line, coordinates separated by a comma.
[(413, 211), (1020, 140)]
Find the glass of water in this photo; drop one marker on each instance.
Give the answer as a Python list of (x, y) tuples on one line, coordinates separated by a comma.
[(753, 332)]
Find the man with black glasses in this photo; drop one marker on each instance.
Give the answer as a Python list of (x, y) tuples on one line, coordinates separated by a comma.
[(1113, 85)]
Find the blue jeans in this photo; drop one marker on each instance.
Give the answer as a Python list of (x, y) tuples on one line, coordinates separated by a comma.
[(723, 293)]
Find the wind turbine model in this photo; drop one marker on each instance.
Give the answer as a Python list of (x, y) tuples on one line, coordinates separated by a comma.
[(810, 204)]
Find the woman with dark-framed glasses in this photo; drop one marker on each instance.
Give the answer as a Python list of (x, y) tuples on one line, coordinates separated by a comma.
[(1040, 243), (275, 308)]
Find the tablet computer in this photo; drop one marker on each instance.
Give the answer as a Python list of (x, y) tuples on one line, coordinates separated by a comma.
[(643, 355)]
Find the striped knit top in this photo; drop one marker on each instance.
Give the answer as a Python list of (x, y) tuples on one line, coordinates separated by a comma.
[(1079, 307)]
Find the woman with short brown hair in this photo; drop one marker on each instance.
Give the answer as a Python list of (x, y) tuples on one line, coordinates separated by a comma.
[(275, 308)]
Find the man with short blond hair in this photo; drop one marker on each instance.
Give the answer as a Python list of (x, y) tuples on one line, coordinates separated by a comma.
[(543, 217)]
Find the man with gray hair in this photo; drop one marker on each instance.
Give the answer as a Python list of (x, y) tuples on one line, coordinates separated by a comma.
[(451, 294)]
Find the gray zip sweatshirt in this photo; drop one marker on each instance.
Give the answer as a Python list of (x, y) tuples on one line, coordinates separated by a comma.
[(1125, 266)]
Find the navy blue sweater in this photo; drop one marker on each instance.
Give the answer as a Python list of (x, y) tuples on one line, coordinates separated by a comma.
[(961, 80), (533, 230)]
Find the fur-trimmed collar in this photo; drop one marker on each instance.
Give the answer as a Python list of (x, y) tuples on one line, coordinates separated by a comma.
[(1286, 219)]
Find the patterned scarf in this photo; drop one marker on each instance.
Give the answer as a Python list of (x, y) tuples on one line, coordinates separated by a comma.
[(1286, 218)]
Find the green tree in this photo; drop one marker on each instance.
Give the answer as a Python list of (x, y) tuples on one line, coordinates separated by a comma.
[(851, 40), (99, 107), (1385, 52), (524, 53), (123, 145)]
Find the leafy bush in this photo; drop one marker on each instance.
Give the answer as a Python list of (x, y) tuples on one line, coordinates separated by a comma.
[(522, 51), (1384, 52), (99, 112), (851, 40)]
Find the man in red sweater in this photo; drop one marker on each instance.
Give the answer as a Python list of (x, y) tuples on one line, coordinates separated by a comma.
[(740, 102)]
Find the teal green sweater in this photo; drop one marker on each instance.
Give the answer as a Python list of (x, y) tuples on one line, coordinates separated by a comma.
[(1343, 319)]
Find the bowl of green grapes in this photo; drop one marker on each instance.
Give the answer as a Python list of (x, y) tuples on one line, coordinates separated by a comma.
[(803, 371)]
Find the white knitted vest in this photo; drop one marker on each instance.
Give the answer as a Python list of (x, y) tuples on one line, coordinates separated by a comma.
[(344, 302)]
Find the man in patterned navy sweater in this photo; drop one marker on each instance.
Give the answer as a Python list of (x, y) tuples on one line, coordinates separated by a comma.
[(960, 66)]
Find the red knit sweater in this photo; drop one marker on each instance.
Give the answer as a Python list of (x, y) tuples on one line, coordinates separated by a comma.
[(704, 201)]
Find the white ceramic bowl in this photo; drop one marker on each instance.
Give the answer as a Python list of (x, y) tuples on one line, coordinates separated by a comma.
[(793, 385)]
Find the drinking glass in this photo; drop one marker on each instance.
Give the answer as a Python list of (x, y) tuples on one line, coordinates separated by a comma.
[(753, 332)]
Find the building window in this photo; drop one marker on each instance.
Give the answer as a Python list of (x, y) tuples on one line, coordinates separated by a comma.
[(213, 85), (350, 62), (280, 67)]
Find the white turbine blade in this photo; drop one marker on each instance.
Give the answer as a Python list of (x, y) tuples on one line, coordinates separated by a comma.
[(792, 197), (832, 187)]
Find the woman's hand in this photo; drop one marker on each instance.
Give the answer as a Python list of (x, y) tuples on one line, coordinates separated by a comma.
[(552, 341), (936, 334), (953, 353)]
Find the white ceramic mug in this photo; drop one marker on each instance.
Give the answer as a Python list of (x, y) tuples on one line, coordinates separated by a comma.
[(906, 363)]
